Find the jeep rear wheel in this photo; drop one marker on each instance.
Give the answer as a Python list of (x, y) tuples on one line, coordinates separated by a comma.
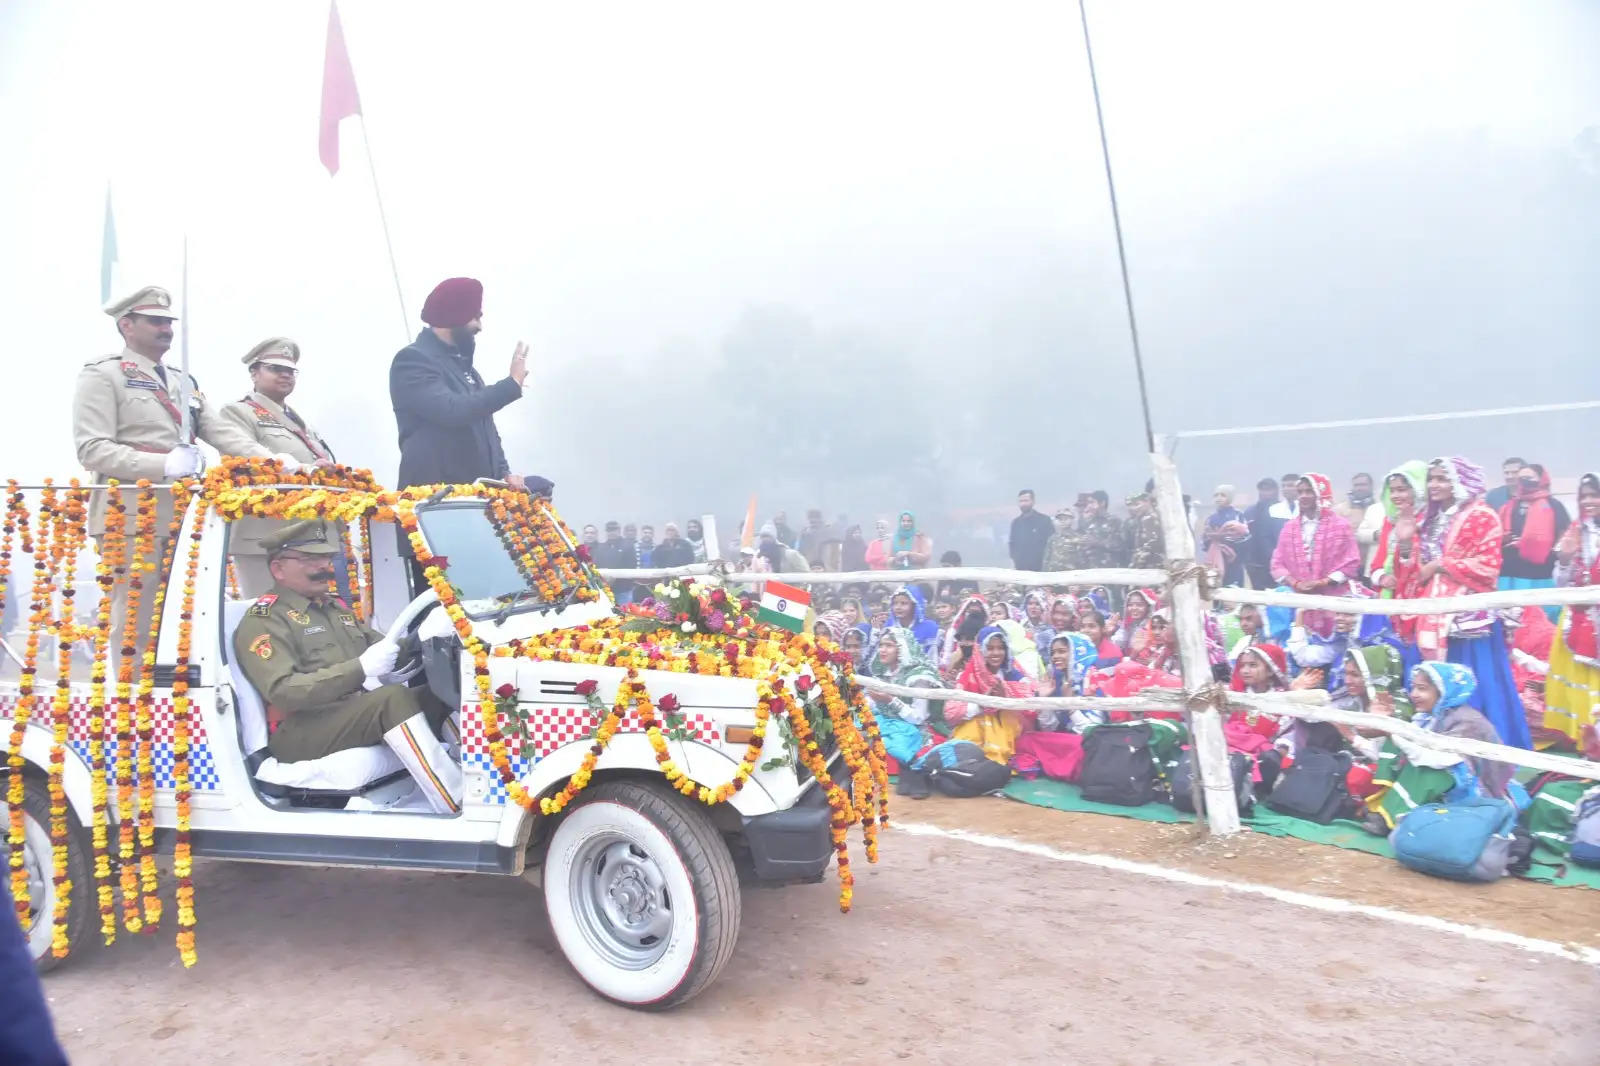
[(37, 928), (642, 894)]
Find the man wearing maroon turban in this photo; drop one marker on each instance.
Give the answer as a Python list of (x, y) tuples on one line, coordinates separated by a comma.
[(444, 411)]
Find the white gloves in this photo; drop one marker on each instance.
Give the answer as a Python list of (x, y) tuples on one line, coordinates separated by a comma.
[(379, 659), (396, 678), (182, 461), (437, 624), (291, 465)]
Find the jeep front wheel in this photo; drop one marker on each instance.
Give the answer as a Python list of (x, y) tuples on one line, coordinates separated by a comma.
[(38, 927), (642, 894)]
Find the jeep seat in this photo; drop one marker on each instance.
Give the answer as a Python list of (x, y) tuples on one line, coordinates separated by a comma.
[(350, 772)]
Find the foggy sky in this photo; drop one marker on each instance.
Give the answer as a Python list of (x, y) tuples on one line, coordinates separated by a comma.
[(1332, 211)]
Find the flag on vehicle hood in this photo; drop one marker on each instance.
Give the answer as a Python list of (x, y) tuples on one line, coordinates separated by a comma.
[(784, 605)]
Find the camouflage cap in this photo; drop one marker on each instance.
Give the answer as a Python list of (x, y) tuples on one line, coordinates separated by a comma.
[(313, 536)]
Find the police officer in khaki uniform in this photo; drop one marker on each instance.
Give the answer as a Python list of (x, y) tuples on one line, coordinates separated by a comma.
[(328, 681), (265, 416), (126, 424)]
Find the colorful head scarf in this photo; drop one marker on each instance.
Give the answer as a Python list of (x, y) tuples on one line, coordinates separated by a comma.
[(1269, 655), (1455, 683), (925, 629), (1466, 477), (1382, 670), (833, 622), (1415, 471), (904, 539), (1083, 656), (912, 667), (1009, 670), (1323, 488)]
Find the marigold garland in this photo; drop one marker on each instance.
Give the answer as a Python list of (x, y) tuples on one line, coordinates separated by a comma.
[(111, 564), (128, 671), (66, 543), (17, 518), (182, 856)]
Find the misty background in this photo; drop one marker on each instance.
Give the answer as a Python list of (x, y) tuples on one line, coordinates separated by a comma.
[(852, 256)]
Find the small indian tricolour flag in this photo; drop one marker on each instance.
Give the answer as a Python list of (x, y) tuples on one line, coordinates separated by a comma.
[(784, 605)]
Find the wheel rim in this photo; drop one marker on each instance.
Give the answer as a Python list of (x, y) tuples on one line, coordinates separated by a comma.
[(36, 856), (621, 901)]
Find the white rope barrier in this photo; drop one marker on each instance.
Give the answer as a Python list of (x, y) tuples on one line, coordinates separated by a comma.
[(989, 574), (1478, 601), (1309, 704), (1389, 420)]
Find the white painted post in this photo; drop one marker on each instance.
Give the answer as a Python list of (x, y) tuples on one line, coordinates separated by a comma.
[(1209, 748)]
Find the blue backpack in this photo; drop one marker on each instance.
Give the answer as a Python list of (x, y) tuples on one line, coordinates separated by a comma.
[(1586, 830), (1466, 841)]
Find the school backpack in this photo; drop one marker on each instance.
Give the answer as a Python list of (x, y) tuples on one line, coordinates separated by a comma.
[(1586, 830), (1117, 765), (1466, 841), (1182, 779), (1313, 787), (959, 768)]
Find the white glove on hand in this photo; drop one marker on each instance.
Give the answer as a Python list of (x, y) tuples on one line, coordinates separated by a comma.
[(291, 465), (436, 625), (182, 461), (379, 659), (400, 677)]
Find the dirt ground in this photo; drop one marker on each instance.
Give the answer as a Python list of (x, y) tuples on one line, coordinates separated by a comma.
[(953, 950)]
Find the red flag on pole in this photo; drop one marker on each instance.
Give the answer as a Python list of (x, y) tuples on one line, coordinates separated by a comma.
[(339, 97)]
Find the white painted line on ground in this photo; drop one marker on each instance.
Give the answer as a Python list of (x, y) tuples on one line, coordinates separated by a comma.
[(1576, 952)]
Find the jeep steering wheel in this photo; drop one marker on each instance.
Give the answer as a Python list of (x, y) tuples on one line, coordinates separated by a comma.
[(403, 630)]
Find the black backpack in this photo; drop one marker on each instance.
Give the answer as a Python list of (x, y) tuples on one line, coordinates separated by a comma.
[(1117, 767), (1314, 787), (959, 768), (1183, 774)]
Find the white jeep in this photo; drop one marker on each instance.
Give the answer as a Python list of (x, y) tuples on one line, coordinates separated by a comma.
[(641, 883)]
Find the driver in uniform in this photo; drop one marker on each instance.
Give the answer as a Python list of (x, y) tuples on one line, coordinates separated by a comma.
[(330, 682)]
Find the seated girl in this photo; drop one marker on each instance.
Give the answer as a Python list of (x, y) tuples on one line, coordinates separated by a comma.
[(1092, 624), (857, 642), (1136, 611), (901, 720), (1071, 657), (990, 670), (1409, 775)]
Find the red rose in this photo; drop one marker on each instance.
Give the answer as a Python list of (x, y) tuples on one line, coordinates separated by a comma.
[(667, 704), (441, 561), (583, 554), (586, 687), (719, 597), (506, 691), (803, 683)]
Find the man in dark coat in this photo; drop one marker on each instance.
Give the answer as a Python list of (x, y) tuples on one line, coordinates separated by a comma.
[(26, 1035), (444, 411), (1030, 531)]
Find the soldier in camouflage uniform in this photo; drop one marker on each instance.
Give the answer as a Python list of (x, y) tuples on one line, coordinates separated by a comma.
[(329, 682), (1144, 533), (1100, 542)]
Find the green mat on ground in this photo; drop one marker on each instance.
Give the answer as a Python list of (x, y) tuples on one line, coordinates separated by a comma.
[(1057, 795)]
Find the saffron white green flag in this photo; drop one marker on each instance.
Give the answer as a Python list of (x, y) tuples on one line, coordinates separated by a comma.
[(784, 605)]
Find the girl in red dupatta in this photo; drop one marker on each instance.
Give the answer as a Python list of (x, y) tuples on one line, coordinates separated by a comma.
[(1317, 551), (991, 671), (1454, 552)]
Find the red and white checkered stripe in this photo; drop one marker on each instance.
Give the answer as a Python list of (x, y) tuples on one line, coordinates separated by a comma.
[(552, 727), (79, 715)]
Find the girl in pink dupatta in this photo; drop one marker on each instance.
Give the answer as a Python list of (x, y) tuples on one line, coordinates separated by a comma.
[(991, 671), (1453, 551), (1317, 551)]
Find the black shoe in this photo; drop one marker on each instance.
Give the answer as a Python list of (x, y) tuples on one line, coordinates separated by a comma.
[(913, 784), (1374, 824)]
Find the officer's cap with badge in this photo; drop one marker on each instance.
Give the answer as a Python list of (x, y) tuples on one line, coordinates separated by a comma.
[(274, 351), (309, 537), (151, 301)]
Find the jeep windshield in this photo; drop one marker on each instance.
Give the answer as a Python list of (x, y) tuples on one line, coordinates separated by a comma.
[(480, 566)]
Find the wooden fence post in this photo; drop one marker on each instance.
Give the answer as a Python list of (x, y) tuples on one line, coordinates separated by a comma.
[(1208, 747)]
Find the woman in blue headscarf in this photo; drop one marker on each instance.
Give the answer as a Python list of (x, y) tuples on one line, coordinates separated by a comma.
[(1072, 655), (906, 610), (1408, 775)]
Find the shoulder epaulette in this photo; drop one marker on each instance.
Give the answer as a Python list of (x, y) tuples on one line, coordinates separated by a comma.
[(263, 606)]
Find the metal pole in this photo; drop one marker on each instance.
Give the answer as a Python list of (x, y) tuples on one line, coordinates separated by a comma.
[(1208, 748), (1116, 222), (185, 416), (383, 218)]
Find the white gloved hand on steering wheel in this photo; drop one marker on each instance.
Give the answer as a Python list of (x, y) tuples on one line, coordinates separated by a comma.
[(379, 659), (436, 625), (291, 465)]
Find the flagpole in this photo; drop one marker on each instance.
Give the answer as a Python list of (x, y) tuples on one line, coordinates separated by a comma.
[(182, 390), (383, 218)]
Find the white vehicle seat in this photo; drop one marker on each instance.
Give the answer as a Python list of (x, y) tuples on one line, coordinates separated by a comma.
[(351, 771)]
